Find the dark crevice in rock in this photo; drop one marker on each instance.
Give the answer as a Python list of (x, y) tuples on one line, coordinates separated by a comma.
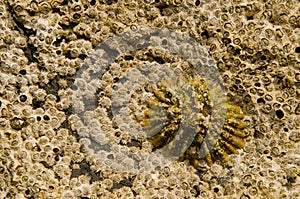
[(30, 50), (46, 165), (123, 183), (135, 143), (85, 170), (82, 37), (29, 53), (70, 26), (37, 104)]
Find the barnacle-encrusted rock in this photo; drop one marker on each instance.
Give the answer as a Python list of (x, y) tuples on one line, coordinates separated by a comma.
[(256, 47), (177, 109)]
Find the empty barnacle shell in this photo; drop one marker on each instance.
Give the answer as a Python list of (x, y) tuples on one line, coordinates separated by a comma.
[(18, 123)]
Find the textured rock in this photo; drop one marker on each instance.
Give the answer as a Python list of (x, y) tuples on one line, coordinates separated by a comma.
[(255, 45)]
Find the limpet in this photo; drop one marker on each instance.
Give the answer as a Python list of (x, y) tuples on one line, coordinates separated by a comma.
[(192, 111)]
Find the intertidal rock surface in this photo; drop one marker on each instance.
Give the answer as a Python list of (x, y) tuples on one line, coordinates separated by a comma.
[(46, 150)]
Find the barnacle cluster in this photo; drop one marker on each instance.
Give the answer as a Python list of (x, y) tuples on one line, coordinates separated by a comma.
[(183, 103), (255, 45)]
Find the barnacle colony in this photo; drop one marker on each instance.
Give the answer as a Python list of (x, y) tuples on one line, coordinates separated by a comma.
[(159, 92)]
